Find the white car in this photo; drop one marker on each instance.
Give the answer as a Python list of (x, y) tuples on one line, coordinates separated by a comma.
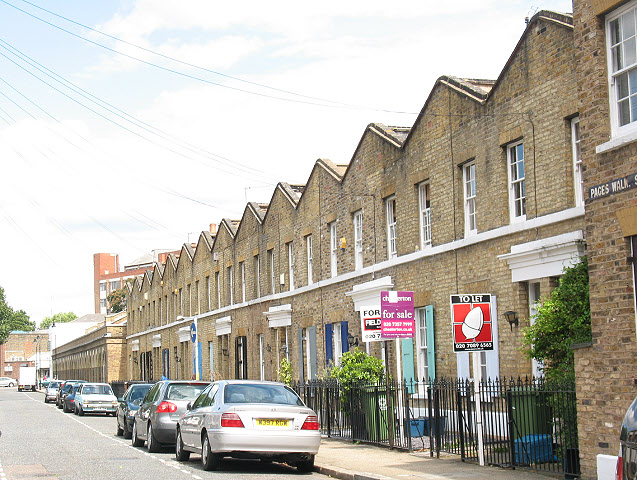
[(7, 382), (249, 419), (95, 398)]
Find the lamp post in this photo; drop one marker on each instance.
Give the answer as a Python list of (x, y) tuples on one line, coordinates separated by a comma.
[(52, 349)]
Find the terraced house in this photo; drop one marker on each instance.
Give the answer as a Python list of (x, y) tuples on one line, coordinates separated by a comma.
[(483, 194)]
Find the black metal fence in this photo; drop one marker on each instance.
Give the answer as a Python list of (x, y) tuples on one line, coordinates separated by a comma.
[(525, 423)]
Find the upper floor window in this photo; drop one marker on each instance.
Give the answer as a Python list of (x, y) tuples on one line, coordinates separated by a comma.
[(208, 294), (230, 285), (517, 193), (291, 264), (257, 275), (578, 182), (390, 212), (358, 240), (218, 287), (242, 266), (425, 215), (622, 59), (333, 250), (272, 277), (308, 248), (469, 182)]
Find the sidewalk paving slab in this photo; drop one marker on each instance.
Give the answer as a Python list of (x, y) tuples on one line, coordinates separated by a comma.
[(348, 461)]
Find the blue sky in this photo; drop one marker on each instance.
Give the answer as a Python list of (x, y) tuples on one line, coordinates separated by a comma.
[(159, 191)]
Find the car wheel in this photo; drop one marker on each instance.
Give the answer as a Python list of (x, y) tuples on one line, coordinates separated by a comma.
[(120, 430), (127, 433), (80, 412), (153, 445), (209, 460), (12, 384), (64, 409), (306, 466), (135, 440), (180, 454)]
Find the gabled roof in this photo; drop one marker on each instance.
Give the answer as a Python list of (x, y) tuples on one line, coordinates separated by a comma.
[(231, 226), (337, 171), (208, 239)]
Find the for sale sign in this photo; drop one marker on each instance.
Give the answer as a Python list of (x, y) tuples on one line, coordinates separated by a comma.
[(397, 314), (472, 327), (370, 324)]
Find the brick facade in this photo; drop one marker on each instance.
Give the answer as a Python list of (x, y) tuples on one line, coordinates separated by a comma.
[(463, 122), (605, 370)]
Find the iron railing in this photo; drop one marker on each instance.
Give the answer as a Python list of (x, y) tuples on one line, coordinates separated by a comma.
[(527, 423)]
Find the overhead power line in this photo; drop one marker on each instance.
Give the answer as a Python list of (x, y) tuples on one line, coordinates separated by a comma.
[(324, 102)]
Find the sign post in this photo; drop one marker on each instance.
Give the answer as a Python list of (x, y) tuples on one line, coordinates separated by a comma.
[(472, 332), (195, 350)]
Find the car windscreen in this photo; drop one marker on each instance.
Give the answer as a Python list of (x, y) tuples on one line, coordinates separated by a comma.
[(97, 390), (138, 392), (184, 391), (248, 393)]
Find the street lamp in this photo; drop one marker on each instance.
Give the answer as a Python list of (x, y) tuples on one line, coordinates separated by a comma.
[(52, 350)]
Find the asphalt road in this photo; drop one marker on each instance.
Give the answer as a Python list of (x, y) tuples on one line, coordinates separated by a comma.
[(38, 441)]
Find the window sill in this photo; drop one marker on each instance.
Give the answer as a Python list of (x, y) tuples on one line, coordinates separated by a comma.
[(616, 142)]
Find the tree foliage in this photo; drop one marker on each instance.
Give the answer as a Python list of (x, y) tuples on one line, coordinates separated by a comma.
[(12, 320), (117, 300), (563, 319), (356, 367), (57, 318), (285, 372)]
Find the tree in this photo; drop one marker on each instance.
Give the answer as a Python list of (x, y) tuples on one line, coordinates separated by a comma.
[(10, 320), (356, 367), (57, 318), (563, 319), (117, 300)]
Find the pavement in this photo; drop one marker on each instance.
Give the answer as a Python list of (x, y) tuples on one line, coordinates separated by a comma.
[(350, 461)]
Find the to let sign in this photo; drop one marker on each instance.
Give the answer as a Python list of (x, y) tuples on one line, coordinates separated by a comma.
[(397, 315), (471, 317)]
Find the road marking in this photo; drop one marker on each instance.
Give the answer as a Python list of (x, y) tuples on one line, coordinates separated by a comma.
[(172, 463)]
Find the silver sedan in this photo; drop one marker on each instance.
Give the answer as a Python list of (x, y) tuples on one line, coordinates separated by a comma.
[(249, 419)]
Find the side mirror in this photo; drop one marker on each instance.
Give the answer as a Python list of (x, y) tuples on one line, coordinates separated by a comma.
[(120, 399), (189, 406)]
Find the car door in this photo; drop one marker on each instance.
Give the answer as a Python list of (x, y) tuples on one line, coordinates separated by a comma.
[(145, 410), (192, 418)]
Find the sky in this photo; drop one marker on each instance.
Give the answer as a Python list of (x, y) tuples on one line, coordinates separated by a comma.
[(132, 125)]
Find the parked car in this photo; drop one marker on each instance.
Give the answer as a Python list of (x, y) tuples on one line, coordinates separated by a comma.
[(128, 405), (7, 382), (95, 398), (627, 460), (65, 388), (253, 419), (68, 405), (51, 392), (158, 413)]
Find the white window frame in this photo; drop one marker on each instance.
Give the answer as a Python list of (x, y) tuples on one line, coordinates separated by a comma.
[(469, 192), (424, 207), (230, 285), (337, 343), (242, 267), (218, 285), (358, 239), (333, 250), (208, 292), (272, 276), (308, 250), (422, 361), (517, 195), (291, 263), (578, 181), (257, 273), (534, 304), (390, 218), (620, 69)]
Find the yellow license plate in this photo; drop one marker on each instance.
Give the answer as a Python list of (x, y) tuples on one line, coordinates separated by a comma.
[(273, 422)]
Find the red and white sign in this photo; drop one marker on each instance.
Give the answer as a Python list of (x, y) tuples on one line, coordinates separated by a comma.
[(472, 327), (370, 324)]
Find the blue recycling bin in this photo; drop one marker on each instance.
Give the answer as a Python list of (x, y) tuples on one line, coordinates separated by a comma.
[(537, 448)]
